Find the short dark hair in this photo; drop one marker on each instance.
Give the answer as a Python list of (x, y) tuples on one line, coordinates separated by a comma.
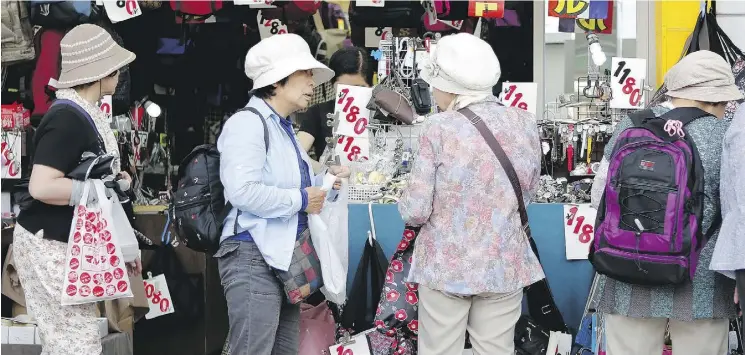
[(268, 91), (350, 60)]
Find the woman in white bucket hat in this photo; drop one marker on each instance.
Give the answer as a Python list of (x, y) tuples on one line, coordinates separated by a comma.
[(269, 181), (90, 63), (472, 259)]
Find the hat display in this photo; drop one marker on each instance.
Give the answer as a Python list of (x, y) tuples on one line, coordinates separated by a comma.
[(702, 76), (462, 64), (277, 57), (89, 54)]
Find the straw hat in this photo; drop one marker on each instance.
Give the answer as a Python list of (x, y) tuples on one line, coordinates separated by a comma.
[(276, 57), (89, 54), (702, 76), (462, 64)]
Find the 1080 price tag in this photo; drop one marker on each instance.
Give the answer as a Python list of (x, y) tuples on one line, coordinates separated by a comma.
[(159, 297), (627, 82)]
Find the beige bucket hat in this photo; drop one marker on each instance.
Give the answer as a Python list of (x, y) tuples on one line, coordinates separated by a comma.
[(89, 54), (702, 76)]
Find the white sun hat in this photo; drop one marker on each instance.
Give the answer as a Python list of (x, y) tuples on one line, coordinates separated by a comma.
[(277, 57)]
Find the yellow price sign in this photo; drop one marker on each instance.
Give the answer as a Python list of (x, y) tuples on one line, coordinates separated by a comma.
[(486, 8)]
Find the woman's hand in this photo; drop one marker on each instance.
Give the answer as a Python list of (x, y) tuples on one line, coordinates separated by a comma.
[(125, 176), (134, 268), (316, 197), (340, 172)]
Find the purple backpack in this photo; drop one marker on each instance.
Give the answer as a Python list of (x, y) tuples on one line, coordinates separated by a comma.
[(648, 229)]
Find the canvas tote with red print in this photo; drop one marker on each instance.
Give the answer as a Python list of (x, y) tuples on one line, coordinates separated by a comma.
[(95, 269)]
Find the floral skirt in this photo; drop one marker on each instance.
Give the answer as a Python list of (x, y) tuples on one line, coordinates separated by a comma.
[(64, 330)]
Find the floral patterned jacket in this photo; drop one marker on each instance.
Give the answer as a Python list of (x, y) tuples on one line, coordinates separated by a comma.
[(471, 241)]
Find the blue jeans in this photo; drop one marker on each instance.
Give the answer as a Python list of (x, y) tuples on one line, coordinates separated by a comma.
[(262, 322)]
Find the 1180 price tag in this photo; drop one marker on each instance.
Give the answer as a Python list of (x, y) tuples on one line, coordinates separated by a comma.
[(268, 27), (579, 230), (520, 95), (627, 82), (351, 104), (158, 295)]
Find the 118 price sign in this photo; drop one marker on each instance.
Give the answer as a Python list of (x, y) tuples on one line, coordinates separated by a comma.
[(579, 230), (627, 82), (520, 95)]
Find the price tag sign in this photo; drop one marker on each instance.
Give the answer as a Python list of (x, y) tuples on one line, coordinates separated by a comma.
[(268, 28), (351, 104), (351, 149), (456, 24), (359, 345), (122, 10), (520, 95), (370, 3), (11, 155), (486, 8), (158, 296), (579, 230), (106, 107), (373, 35), (627, 82), (256, 4)]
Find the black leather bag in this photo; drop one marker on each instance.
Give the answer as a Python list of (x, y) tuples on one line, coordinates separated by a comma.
[(530, 338)]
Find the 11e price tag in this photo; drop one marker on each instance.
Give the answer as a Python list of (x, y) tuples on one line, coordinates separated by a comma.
[(268, 28), (627, 82), (122, 10), (520, 95), (351, 149), (579, 230), (351, 104), (373, 35), (158, 296), (105, 106)]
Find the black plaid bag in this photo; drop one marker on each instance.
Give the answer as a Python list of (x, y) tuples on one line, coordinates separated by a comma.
[(303, 278)]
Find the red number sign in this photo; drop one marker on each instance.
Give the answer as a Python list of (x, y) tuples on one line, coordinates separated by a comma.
[(353, 151), (584, 231), (352, 111)]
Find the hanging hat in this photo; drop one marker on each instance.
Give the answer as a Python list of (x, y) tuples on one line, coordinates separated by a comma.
[(462, 64), (89, 54), (702, 76), (277, 57)]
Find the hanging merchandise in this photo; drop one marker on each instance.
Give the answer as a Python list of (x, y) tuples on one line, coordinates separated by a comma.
[(47, 70), (18, 36), (118, 11), (397, 312), (358, 314), (196, 7), (486, 8), (94, 267), (317, 329), (396, 14), (332, 39), (595, 16), (450, 9), (63, 14)]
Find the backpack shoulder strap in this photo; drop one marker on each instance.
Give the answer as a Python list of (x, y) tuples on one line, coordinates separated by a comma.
[(685, 115), (640, 117), (263, 122)]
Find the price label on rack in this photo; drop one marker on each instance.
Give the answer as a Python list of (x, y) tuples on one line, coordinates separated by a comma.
[(520, 95), (579, 230), (106, 107), (627, 82), (351, 149), (118, 11), (268, 27), (456, 24), (373, 35), (351, 104), (11, 155), (370, 3), (158, 296)]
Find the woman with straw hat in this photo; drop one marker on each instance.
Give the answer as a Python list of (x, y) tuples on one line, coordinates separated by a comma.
[(90, 66)]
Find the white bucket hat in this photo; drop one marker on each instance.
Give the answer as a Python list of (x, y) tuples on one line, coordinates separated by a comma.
[(702, 76), (277, 57), (462, 64)]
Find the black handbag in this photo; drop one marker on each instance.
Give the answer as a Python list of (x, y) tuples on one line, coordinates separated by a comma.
[(359, 312), (530, 338)]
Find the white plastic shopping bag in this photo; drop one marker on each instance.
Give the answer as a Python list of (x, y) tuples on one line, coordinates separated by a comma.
[(124, 232), (329, 233), (94, 266)]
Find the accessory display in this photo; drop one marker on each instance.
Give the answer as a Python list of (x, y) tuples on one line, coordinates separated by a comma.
[(648, 228)]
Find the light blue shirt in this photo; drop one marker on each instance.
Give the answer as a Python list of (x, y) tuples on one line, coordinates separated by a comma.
[(264, 185)]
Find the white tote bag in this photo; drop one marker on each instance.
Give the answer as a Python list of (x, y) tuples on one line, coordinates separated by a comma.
[(94, 267), (329, 233), (124, 232)]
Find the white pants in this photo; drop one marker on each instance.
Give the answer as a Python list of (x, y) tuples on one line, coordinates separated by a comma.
[(489, 318), (646, 336)]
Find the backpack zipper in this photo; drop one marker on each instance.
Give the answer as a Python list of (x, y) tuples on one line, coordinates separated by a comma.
[(186, 205)]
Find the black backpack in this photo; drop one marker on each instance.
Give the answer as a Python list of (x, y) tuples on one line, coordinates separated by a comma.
[(198, 205)]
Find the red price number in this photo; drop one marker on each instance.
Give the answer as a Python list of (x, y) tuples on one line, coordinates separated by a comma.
[(629, 83), (350, 148), (352, 111), (274, 26), (340, 350), (106, 108), (156, 297), (516, 98), (587, 230), (8, 160), (129, 5)]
